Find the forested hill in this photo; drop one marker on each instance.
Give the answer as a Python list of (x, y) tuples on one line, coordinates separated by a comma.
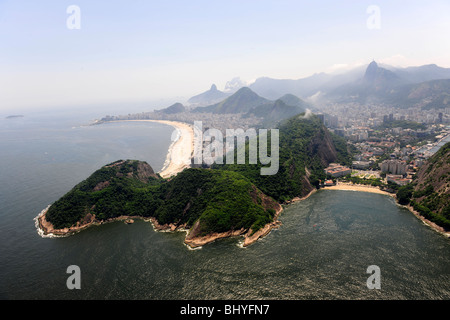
[(429, 193), (306, 148), (219, 200), (224, 198)]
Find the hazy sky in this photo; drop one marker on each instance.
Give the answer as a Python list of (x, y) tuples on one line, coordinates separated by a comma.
[(128, 51)]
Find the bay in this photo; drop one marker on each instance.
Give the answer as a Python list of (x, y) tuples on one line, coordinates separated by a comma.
[(321, 251)]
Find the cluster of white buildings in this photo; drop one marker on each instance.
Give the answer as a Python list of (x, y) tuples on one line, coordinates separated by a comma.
[(396, 167)]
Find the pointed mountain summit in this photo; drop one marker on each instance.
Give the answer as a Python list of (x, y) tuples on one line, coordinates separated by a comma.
[(378, 76), (240, 102), (371, 72), (213, 95)]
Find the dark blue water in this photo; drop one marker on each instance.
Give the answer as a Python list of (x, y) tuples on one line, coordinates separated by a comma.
[(321, 251)]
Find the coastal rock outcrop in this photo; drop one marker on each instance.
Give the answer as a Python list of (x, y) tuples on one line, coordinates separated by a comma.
[(430, 190)]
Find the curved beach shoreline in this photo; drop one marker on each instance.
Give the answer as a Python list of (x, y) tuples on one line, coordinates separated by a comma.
[(358, 187), (180, 151), (178, 158), (372, 189)]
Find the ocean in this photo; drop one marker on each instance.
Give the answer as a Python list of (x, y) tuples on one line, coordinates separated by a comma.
[(321, 251)]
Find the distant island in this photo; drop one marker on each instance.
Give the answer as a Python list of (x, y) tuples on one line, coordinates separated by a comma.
[(14, 116)]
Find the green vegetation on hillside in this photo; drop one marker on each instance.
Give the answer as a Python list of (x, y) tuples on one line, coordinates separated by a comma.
[(273, 112), (306, 148), (114, 190), (428, 194), (221, 200), (226, 197)]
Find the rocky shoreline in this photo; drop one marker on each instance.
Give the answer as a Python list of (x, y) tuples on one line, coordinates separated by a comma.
[(45, 228), (427, 222), (193, 240), (250, 237), (178, 153)]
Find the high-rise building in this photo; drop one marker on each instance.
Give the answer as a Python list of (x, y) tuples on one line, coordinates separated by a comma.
[(393, 166)]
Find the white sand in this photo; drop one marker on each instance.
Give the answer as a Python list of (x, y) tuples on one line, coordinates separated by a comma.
[(357, 187), (180, 151)]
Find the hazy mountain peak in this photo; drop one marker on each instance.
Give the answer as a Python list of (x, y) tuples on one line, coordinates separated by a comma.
[(213, 95), (240, 102), (175, 108), (373, 64), (371, 71), (379, 76)]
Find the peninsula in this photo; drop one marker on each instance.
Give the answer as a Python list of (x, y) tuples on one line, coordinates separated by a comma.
[(211, 204), (222, 201)]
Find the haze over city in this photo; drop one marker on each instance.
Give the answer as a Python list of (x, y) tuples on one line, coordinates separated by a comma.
[(142, 51)]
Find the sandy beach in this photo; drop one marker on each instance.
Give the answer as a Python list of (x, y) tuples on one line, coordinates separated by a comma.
[(178, 158), (357, 187), (180, 151), (364, 188)]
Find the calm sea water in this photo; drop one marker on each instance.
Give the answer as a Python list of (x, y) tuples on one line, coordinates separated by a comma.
[(321, 251)]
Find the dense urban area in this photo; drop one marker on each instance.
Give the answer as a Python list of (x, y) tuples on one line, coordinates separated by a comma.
[(389, 144)]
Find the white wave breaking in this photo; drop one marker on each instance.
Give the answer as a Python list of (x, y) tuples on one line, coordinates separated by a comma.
[(39, 229)]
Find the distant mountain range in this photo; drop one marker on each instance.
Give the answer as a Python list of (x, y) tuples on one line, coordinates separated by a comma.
[(247, 102), (426, 86)]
